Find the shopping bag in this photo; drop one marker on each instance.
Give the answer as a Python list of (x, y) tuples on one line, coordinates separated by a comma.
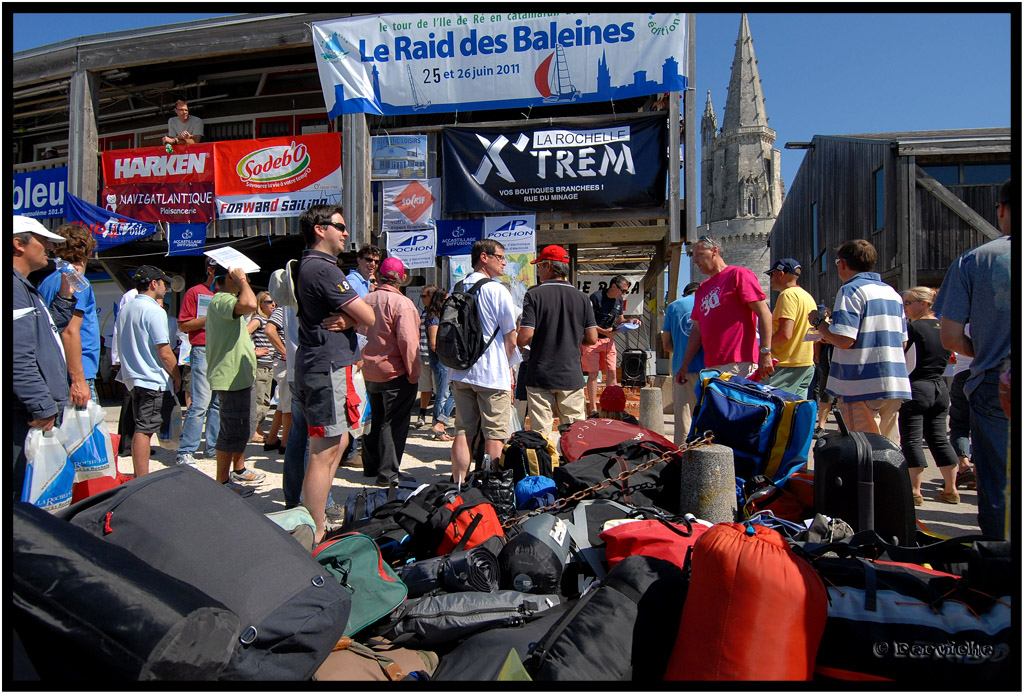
[(169, 435), (86, 439), (49, 474)]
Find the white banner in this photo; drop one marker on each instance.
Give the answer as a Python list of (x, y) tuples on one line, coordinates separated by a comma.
[(413, 248), (410, 204), (396, 64), (517, 233), (459, 268)]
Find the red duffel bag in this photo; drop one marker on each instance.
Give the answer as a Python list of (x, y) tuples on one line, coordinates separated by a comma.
[(579, 438), (748, 588), (652, 537)]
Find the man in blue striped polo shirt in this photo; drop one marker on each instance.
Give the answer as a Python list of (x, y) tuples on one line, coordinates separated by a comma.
[(869, 372)]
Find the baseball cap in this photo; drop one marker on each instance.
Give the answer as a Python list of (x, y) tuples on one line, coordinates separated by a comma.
[(148, 273), (392, 268), (787, 265), (613, 399), (555, 253), (23, 224)]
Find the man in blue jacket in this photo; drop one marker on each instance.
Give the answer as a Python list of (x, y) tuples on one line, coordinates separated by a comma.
[(39, 373)]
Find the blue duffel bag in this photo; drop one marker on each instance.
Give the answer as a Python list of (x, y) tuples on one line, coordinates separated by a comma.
[(769, 430)]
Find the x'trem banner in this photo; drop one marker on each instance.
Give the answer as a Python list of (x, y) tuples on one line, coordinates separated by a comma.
[(397, 64), (278, 176), (151, 185), (602, 166)]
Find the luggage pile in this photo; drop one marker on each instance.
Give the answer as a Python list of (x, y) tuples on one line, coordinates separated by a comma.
[(586, 569)]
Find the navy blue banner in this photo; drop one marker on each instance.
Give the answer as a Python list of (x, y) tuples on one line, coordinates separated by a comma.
[(608, 165), (107, 228), (186, 239), (457, 236), (40, 193)]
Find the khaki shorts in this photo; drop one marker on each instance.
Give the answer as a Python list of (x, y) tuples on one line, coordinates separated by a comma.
[(482, 409)]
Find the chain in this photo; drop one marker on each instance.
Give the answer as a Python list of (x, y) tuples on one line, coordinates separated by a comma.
[(668, 456)]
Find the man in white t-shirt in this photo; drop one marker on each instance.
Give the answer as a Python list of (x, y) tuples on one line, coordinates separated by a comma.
[(483, 392)]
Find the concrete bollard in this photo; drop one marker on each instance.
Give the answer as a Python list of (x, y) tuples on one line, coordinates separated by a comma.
[(707, 484), (651, 415)]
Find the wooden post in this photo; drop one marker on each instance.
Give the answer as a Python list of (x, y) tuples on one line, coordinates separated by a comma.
[(356, 191), (83, 136)]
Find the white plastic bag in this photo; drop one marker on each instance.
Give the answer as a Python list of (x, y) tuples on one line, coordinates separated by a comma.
[(86, 439), (49, 474), (169, 435), (514, 424)]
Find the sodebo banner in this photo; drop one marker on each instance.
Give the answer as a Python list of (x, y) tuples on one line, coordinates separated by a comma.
[(278, 176), (396, 64)]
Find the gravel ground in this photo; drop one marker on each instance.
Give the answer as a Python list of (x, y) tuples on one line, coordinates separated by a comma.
[(429, 461)]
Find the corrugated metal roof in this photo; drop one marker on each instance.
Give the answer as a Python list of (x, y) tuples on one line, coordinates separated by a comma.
[(929, 135)]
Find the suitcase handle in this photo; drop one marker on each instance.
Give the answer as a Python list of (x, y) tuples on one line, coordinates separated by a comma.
[(843, 429)]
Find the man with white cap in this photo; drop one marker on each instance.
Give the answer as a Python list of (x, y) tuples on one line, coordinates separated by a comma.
[(39, 374)]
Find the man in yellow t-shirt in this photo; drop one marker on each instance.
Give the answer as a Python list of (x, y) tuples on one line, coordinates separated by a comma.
[(795, 355)]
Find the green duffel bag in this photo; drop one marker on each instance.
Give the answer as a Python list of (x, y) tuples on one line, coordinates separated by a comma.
[(355, 562)]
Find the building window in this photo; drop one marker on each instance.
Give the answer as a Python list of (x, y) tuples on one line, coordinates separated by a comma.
[(879, 199), (946, 174), (980, 174), (237, 130)]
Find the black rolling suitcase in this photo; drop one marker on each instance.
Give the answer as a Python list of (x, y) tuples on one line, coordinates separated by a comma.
[(864, 479), (185, 524)]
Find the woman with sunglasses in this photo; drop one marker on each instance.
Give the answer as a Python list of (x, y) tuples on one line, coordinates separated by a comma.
[(925, 415), (266, 355)]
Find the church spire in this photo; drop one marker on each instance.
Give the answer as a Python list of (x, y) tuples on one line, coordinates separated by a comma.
[(745, 104)]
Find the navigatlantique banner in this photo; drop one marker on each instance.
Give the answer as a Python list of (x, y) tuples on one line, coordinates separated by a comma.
[(397, 64)]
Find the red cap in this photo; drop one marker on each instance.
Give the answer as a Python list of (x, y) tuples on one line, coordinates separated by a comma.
[(613, 399), (555, 253)]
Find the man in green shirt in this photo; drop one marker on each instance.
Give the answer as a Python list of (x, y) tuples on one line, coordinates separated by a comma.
[(231, 372)]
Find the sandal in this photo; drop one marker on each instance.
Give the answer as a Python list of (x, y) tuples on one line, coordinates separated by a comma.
[(441, 436), (918, 499), (256, 438), (966, 478)]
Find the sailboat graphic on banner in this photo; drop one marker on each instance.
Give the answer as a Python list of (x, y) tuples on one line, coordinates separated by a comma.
[(553, 81), (417, 105)]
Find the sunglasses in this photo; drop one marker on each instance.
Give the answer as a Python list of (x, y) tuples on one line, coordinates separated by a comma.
[(339, 227), (268, 301), (375, 261), (499, 257)]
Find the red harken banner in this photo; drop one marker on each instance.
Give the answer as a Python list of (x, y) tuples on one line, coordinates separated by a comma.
[(151, 185)]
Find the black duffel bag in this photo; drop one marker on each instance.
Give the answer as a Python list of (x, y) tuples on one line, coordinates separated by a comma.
[(657, 486), (438, 622), (622, 630), (88, 610), (473, 569), (189, 526)]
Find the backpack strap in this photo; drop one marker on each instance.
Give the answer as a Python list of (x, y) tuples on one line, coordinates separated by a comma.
[(473, 290), (469, 532)]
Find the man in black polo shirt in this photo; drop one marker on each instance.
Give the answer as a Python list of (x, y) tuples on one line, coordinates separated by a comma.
[(327, 387), (557, 319), (601, 356)]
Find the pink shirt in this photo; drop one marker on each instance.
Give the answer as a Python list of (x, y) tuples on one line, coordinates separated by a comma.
[(728, 328), (393, 342)]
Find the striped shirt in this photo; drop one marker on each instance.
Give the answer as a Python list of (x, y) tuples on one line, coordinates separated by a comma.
[(260, 339), (871, 312)]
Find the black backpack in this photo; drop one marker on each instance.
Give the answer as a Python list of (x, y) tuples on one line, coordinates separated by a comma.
[(460, 335), (529, 454)]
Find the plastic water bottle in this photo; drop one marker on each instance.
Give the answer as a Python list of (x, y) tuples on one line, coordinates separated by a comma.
[(75, 279), (169, 148), (486, 466)]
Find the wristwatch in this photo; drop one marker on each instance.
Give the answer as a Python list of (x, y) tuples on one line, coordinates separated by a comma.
[(766, 350), (817, 321)]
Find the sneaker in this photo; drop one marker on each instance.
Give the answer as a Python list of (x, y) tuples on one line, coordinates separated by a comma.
[(185, 459), (335, 514), (239, 489), (246, 476)]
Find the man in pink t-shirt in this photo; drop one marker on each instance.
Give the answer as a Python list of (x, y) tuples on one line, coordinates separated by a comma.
[(729, 311)]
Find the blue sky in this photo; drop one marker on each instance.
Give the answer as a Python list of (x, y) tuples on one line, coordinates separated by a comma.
[(821, 73)]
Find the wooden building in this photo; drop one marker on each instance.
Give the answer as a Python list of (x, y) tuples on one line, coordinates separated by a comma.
[(921, 198)]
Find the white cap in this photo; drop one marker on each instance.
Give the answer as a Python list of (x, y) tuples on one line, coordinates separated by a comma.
[(23, 224)]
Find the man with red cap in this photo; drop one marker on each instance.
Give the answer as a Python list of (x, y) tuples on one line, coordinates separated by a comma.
[(557, 320)]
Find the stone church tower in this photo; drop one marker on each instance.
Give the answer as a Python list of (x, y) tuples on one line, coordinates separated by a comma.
[(741, 184)]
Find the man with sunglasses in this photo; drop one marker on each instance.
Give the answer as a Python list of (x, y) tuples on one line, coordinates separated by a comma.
[(731, 319), (367, 263), (327, 387), (609, 305), (483, 392)]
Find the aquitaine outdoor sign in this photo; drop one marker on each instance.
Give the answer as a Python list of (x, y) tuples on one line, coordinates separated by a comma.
[(399, 64)]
